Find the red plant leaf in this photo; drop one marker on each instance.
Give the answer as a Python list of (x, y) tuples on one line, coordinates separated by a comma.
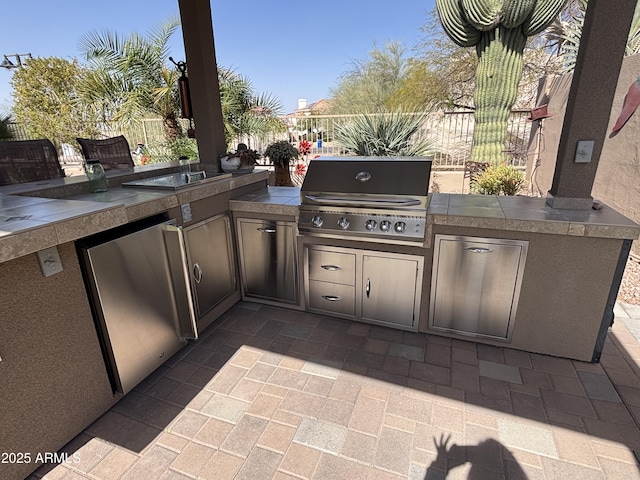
[(631, 103)]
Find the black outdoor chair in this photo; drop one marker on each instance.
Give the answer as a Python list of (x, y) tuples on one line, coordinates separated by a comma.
[(24, 161), (114, 153)]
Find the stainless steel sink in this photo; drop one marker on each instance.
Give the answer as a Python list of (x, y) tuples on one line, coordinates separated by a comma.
[(177, 181)]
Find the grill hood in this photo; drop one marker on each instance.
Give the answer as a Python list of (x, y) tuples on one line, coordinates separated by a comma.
[(366, 177)]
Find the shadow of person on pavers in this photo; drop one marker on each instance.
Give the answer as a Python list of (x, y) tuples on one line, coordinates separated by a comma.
[(489, 460)]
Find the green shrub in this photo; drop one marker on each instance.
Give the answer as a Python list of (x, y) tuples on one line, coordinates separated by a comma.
[(281, 153), (504, 179)]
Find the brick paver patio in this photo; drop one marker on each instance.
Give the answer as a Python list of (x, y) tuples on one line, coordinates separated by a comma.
[(270, 393)]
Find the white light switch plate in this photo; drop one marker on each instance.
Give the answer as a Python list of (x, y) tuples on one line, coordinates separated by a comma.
[(584, 151), (49, 261)]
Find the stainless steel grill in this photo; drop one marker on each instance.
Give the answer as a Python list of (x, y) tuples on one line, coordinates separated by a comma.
[(379, 199)]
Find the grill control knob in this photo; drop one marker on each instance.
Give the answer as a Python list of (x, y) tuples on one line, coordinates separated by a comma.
[(370, 224), (317, 220), (343, 223), (400, 227), (385, 225)]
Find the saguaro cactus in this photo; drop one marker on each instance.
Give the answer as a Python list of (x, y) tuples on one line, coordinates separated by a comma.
[(499, 30)]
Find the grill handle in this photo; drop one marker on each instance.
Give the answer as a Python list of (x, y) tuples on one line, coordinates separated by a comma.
[(341, 201)]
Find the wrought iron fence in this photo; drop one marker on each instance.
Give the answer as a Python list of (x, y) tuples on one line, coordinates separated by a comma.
[(450, 132)]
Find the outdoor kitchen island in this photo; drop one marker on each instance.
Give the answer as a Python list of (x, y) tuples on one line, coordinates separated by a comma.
[(566, 298), (52, 368)]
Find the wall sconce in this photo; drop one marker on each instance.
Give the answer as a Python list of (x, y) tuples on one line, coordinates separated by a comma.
[(8, 64)]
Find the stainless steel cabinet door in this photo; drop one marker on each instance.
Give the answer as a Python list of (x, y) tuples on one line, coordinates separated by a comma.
[(475, 285), (268, 260), (211, 262), (390, 289)]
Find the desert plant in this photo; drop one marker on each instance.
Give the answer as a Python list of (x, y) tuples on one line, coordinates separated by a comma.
[(384, 134), (496, 180), (280, 154), (183, 147), (499, 31), (248, 157)]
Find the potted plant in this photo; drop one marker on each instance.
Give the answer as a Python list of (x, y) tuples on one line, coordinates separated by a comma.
[(243, 159), (280, 154)]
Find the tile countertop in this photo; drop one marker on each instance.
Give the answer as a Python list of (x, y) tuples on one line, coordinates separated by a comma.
[(523, 214), (527, 214), (30, 222), (271, 200)]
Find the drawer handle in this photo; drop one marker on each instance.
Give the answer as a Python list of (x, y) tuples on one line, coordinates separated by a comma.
[(267, 230), (479, 250), (331, 268), (332, 298)]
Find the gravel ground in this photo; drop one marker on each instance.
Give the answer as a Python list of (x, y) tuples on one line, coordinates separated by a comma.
[(630, 288)]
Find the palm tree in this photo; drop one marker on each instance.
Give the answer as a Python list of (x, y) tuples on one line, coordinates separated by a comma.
[(245, 113), (566, 33), (131, 78)]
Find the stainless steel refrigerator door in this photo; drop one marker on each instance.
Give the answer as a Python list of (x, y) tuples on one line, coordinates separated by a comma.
[(136, 306)]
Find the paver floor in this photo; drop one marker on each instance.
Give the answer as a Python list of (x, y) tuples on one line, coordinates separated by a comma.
[(271, 393)]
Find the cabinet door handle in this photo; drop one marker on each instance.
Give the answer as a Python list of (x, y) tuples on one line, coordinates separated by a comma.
[(479, 250), (332, 298), (367, 288), (197, 272), (267, 230), (331, 268)]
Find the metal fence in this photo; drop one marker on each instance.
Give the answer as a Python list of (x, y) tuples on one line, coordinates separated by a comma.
[(450, 132)]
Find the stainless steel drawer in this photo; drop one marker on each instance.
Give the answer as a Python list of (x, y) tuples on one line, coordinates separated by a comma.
[(332, 297), (329, 266)]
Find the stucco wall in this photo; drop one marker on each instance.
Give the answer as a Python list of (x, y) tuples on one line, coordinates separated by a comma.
[(617, 181), (53, 381)]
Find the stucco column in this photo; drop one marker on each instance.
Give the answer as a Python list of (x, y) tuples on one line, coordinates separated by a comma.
[(197, 32), (602, 45)]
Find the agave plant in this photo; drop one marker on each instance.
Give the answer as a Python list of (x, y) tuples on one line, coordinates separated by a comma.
[(384, 134)]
